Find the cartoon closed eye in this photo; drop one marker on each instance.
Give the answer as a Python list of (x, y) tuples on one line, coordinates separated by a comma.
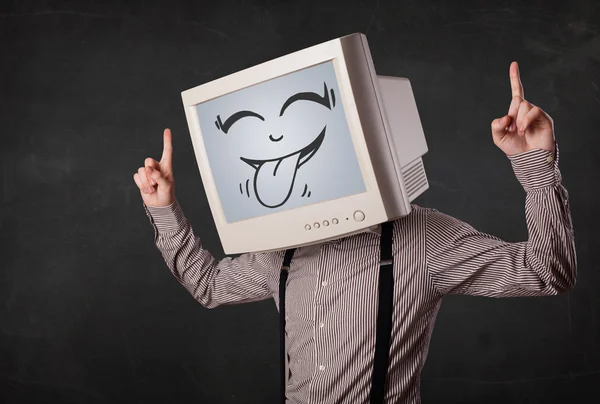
[(274, 177)]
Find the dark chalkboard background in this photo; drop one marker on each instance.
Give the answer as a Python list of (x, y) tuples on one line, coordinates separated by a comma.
[(89, 312)]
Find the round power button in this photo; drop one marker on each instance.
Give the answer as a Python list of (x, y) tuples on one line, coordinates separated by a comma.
[(359, 216)]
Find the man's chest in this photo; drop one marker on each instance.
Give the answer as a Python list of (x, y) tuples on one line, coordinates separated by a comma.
[(337, 283)]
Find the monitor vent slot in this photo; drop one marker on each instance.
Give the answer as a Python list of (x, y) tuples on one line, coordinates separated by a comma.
[(415, 179)]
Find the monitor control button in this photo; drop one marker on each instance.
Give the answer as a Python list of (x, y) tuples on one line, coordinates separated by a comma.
[(317, 225), (325, 223), (307, 227), (359, 216), (335, 221)]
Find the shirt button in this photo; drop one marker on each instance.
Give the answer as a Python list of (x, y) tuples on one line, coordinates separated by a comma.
[(324, 283), (321, 367), (321, 325)]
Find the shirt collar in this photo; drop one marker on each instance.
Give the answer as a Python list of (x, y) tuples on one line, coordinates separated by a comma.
[(375, 229)]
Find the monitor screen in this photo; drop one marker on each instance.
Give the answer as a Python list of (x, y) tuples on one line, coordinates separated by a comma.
[(280, 144)]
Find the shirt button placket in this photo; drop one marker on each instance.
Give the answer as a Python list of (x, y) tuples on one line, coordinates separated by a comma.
[(318, 320)]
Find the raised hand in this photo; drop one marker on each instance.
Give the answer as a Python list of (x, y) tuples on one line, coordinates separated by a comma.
[(155, 180), (526, 127)]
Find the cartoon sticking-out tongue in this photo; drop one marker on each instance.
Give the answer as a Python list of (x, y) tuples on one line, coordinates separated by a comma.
[(274, 178)]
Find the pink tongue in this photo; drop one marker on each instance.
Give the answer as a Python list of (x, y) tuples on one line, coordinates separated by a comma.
[(274, 180)]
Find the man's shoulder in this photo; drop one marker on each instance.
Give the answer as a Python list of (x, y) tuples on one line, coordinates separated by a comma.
[(417, 213), (418, 210), (424, 213), (437, 219)]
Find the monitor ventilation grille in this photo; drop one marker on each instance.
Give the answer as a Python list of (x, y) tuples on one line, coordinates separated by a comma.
[(415, 179)]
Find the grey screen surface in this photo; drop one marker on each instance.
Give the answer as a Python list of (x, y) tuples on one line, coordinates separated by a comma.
[(281, 144)]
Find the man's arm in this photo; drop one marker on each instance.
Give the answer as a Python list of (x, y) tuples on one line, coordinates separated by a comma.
[(211, 282), (463, 260)]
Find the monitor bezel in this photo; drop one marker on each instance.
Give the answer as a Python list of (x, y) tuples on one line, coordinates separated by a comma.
[(241, 236)]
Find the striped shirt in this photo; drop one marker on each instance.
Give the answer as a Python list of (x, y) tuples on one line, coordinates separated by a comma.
[(332, 286)]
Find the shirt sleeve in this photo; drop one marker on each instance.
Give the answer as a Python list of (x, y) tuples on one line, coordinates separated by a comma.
[(463, 260), (211, 282)]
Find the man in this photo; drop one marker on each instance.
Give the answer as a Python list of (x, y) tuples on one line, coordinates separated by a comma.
[(332, 287)]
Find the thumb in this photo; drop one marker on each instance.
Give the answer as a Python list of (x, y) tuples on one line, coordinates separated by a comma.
[(158, 177), (499, 127)]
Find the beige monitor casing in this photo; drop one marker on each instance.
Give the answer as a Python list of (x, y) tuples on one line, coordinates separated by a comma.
[(386, 133)]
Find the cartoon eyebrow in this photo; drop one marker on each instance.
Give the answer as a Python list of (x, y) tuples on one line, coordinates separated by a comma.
[(233, 119), (310, 96)]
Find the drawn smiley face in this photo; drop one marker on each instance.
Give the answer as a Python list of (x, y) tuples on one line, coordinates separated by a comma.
[(275, 172)]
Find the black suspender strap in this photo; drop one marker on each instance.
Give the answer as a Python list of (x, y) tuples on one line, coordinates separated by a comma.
[(384, 315), (287, 260)]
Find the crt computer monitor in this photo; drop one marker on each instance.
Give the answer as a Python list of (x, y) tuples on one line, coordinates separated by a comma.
[(308, 147)]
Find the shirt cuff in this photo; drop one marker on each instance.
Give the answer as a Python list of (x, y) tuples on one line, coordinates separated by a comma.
[(166, 219), (536, 168)]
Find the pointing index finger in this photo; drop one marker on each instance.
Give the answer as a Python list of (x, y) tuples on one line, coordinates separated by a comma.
[(167, 154), (515, 81)]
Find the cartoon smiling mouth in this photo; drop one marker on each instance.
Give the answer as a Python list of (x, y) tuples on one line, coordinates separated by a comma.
[(274, 178)]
